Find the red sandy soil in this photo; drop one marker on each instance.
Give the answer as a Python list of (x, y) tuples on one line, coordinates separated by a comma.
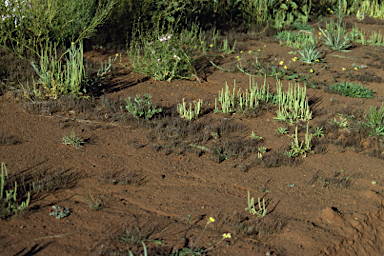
[(170, 193)]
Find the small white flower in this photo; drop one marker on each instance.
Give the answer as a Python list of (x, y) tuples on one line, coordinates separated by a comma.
[(176, 57)]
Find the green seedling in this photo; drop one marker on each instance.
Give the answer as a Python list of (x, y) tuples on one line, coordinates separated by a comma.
[(59, 212), (319, 132), (72, 140), (262, 150), (190, 113), (261, 212), (254, 136), (282, 130)]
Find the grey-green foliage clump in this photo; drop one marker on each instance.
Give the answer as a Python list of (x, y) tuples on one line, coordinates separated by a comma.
[(8, 197), (59, 212), (142, 107), (352, 90)]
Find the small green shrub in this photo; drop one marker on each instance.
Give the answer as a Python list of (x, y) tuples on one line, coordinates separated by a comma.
[(352, 90), (28, 24), (164, 56), (142, 107)]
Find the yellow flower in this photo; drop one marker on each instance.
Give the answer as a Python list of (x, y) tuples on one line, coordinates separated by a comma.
[(249, 52), (202, 42), (317, 60), (285, 67), (195, 46), (311, 70), (331, 11), (237, 57), (294, 59), (319, 33), (210, 220), (343, 69), (259, 50), (265, 46), (241, 52), (355, 68), (281, 62), (226, 235), (211, 45)]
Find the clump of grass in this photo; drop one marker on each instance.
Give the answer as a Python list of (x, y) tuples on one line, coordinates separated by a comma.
[(72, 140), (44, 182), (352, 90), (8, 196), (374, 121), (94, 203), (296, 40)]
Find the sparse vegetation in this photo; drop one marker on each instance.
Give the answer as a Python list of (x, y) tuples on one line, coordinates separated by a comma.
[(180, 157)]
